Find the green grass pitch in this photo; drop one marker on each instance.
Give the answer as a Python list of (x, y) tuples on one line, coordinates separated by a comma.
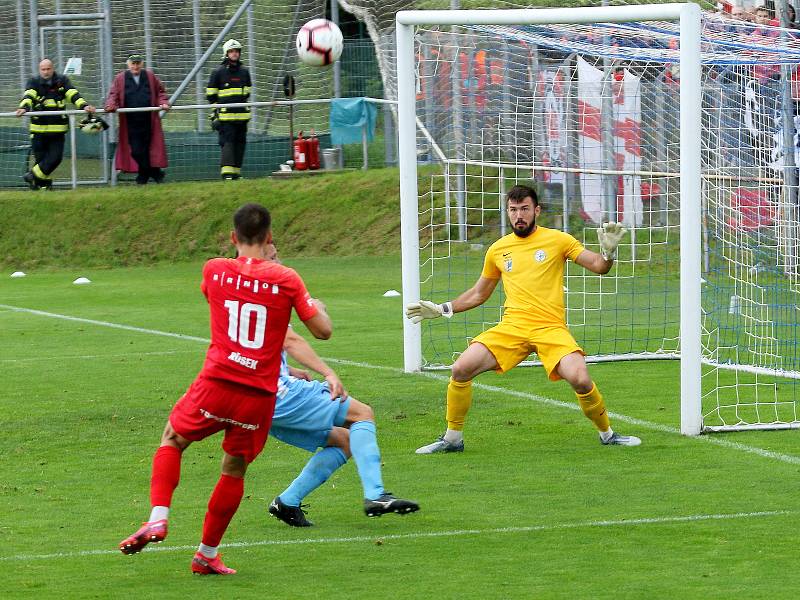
[(535, 507)]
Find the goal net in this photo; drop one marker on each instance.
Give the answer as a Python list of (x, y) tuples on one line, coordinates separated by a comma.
[(591, 114)]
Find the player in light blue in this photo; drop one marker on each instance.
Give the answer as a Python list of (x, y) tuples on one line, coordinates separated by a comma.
[(313, 414)]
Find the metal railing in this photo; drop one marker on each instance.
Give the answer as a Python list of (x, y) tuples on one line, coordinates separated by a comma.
[(73, 113)]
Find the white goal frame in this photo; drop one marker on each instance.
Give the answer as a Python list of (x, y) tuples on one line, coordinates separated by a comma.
[(689, 17)]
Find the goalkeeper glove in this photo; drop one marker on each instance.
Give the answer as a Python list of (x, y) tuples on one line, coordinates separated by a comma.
[(419, 311), (610, 235)]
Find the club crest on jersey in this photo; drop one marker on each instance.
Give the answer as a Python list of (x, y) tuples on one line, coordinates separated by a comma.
[(539, 255), (507, 264)]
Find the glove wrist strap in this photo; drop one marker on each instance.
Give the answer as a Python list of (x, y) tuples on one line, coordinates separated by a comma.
[(609, 255), (447, 310)]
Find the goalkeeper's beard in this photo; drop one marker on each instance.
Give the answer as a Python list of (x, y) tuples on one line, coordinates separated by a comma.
[(525, 231)]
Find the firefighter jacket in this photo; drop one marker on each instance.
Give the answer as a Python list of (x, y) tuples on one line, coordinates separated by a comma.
[(228, 84), (42, 95)]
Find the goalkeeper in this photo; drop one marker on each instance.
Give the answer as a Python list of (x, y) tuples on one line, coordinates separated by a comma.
[(530, 261)]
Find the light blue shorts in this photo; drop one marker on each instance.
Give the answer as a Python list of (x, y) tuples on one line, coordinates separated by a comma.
[(305, 415)]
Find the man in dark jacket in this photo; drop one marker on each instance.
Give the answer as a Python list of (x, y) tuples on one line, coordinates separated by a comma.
[(230, 83), (49, 91), (141, 148)]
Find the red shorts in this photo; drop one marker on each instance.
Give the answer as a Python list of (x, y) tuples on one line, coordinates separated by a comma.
[(211, 405)]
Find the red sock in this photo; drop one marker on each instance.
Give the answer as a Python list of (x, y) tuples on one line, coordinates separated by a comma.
[(166, 475), (221, 507)]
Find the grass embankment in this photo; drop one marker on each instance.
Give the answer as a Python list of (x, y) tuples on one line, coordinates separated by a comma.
[(343, 214)]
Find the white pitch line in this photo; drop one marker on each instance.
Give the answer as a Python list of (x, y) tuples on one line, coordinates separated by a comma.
[(717, 441), (430, 534), (42, 313), (94, 356), (787, 458)]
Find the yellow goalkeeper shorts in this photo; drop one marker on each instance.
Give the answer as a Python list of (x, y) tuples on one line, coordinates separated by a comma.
[(511, 343)]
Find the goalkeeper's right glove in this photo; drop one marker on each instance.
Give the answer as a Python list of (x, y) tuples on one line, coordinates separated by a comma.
[(609, 236), (419, 311)]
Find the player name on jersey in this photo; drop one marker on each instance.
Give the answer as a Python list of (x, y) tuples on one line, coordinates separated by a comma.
[(237, 357)]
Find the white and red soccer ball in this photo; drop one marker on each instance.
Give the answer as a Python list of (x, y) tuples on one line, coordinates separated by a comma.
[(319, 43)]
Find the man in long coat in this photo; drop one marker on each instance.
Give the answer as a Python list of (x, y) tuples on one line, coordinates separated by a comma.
[(141, 148)]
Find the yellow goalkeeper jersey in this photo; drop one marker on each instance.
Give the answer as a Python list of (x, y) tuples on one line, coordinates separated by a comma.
[(532, 271)]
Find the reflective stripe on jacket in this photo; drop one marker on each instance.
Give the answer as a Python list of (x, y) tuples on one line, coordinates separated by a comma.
[(42, 95), (230, 84)]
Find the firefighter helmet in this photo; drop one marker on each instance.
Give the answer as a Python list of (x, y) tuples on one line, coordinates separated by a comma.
[(230, 45)]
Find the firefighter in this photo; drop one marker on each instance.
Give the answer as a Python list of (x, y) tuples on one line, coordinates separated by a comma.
[(48, 92), (230, 83)]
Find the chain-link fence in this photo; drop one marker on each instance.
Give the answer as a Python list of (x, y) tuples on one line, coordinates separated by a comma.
[(181, 41)]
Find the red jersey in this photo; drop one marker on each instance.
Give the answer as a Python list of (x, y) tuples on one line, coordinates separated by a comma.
[(251, 302)]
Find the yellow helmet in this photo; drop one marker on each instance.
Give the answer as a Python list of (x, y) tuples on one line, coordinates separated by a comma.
[(230, 45)]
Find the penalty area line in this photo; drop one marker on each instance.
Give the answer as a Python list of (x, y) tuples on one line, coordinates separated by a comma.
[(717, 441), (673, 520)]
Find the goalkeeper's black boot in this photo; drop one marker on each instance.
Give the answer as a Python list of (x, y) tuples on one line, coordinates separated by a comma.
[(387, 503), (291, 515), (30, 179)]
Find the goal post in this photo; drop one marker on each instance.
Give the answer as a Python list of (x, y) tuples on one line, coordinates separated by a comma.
[(689, 17)]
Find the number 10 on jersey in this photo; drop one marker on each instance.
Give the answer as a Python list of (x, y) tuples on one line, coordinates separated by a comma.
[(239, 319)]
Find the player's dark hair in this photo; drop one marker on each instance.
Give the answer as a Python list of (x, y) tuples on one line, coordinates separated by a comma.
[(518, 193), (251, 224)]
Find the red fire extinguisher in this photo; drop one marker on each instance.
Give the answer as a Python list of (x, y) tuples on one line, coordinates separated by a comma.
[(300, 152), (313, 151)]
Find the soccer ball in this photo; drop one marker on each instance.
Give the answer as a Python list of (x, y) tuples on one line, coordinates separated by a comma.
[(319, 42)]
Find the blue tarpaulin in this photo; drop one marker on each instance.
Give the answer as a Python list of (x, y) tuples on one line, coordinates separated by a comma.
[(349, 116)]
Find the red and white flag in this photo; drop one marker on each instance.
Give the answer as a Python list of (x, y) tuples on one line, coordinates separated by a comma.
[(626, 128), (590, 145)]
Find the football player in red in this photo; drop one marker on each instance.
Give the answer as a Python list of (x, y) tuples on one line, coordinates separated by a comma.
[(250, 300)]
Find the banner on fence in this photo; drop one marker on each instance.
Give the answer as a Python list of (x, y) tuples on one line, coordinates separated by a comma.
[(626, 132)]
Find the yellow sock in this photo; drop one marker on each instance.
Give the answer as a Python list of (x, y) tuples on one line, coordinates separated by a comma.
[(459, 399), (594, 408)]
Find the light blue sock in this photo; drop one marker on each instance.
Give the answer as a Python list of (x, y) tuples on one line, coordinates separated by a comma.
[(364, 447), (316, 472)]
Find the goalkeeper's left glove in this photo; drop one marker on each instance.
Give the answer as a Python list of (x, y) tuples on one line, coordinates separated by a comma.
[(610, 235), (419, 311)]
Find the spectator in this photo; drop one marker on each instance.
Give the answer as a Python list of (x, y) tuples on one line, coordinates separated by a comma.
[(764, 35), (764, 17), (792, 16), (739, 13), (141, 148), (48, 92), (230, 83)]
